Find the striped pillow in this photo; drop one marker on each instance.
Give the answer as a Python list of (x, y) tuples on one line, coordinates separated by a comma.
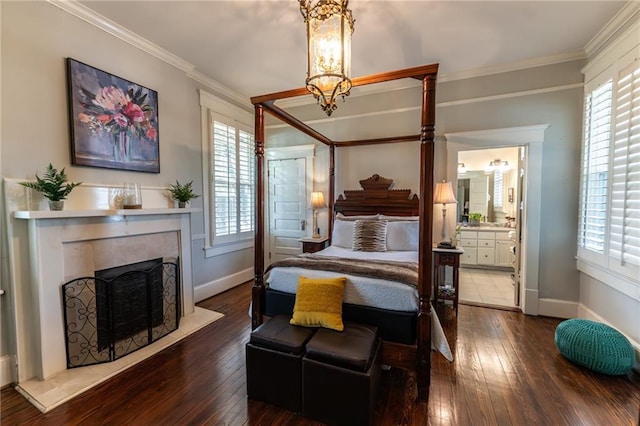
[(370, 235)]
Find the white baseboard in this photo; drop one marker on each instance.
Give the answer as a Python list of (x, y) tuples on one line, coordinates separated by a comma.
[(5, 370), (530, 302), (212, 288), (557, 308)]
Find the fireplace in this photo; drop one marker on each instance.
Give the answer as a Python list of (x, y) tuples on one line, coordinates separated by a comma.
[(120, 310), (69, 245)]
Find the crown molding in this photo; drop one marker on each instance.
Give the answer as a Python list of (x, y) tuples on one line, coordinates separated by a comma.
[(77, 9), (220, 89), (603, 37)]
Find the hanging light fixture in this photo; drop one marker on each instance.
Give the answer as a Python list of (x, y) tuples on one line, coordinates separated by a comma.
[(329, 28)]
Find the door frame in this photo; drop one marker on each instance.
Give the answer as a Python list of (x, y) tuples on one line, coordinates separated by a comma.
[(287, 153), (531, 137)]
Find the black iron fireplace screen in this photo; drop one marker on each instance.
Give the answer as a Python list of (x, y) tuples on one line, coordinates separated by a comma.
[(120, 310)]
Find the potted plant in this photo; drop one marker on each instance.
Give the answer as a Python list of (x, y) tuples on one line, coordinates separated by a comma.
[(54, 186), (474, 219), (182, 193)]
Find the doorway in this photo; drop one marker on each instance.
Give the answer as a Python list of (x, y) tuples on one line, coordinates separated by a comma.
[(489, 200), (531, 138)]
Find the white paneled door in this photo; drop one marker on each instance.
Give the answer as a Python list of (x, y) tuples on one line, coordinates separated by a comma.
[(287, 207)]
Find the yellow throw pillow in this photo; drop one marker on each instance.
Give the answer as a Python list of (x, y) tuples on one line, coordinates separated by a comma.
[(319, 303)]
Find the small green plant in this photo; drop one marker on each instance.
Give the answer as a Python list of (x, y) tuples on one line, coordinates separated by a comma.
[(182, 193), (53, 185), (475, 216)]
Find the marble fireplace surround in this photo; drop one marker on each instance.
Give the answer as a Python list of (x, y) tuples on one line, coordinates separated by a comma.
[(71, 244)]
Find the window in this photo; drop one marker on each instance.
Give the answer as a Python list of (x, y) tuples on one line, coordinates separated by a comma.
[(595, 165), (609, 233), (498, 189), (229, 181), (233, 175)]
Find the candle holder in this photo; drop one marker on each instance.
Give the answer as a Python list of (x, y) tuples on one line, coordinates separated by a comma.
[(132, 196)]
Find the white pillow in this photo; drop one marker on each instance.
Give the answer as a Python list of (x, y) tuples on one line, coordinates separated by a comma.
[(342, 235), (400, 218), (403, 236)]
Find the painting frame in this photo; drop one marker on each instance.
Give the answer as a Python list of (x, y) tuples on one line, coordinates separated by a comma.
[(113, 122)]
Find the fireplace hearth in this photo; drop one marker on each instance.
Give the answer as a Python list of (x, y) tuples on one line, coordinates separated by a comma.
[(120, 310)]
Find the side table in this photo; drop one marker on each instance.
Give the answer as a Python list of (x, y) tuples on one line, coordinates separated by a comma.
[(312, 245), (441, 259)]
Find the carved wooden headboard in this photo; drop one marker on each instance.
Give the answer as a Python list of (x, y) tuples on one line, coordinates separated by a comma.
[(376, 196)]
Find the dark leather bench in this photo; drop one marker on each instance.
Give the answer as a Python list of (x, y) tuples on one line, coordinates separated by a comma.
[(340, 375), (274, 362)]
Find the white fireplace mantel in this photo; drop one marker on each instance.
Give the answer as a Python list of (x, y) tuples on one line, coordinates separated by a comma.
[(39, 314), (68, 214)]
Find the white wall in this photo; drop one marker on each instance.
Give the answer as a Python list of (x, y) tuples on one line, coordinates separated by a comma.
[(36, 39)]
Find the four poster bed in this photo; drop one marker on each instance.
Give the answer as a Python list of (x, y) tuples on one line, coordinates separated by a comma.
[(406, 338)]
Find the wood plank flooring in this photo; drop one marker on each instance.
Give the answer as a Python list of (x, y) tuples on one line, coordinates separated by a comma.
[(506, 371)]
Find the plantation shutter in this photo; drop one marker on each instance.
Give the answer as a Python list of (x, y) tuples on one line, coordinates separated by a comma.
[(246, 177), (595, 165), (624, 248), (224, 179)]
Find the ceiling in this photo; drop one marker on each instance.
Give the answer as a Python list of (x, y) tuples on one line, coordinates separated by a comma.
[(254, 47)]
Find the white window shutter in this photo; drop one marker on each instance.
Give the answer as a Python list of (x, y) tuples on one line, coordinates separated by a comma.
[(624, 248), (224, 179), (595, 169)]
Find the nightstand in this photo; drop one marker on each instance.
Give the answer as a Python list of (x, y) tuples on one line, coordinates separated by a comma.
[(441, 291), (312, 245)]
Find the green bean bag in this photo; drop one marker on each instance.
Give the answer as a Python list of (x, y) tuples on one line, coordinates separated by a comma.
[(595, 345)]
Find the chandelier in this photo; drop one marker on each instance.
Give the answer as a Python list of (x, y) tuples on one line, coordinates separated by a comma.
[(329, 28)]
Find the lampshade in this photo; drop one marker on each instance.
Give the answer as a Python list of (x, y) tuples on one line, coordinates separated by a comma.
[(317, 200), (329, 29), (443, 194)]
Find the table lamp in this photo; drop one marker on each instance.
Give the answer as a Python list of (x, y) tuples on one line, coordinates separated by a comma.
[(443, 194), (317, 202)]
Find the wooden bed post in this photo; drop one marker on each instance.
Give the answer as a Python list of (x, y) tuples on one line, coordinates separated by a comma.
[(425, 263), (257, 292), (332, 187)]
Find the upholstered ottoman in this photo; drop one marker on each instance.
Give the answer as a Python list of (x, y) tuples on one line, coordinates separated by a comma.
[(595, 345), (340, 375), (274, 363)]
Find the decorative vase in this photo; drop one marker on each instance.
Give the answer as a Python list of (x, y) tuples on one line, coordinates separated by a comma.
[(122, 146), (56, 205), (182, 204)]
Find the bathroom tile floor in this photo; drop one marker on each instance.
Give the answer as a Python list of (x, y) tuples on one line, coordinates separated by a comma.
[(486, 286)]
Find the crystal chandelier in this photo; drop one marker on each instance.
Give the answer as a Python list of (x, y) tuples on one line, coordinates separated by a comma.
[(329, 29)]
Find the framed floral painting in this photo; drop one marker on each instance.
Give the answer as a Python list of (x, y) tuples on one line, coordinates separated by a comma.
[(113, 122)]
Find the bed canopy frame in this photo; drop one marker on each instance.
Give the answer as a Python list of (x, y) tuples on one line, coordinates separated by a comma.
[(414, 358)]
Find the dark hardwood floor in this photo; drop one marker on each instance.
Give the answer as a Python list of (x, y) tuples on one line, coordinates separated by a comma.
[(506, 371)]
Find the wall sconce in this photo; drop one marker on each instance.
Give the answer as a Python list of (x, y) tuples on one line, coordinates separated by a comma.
[(317, 202), (443, 194)]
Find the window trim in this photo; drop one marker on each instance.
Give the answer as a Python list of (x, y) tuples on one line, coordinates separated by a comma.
[(210, 104)]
